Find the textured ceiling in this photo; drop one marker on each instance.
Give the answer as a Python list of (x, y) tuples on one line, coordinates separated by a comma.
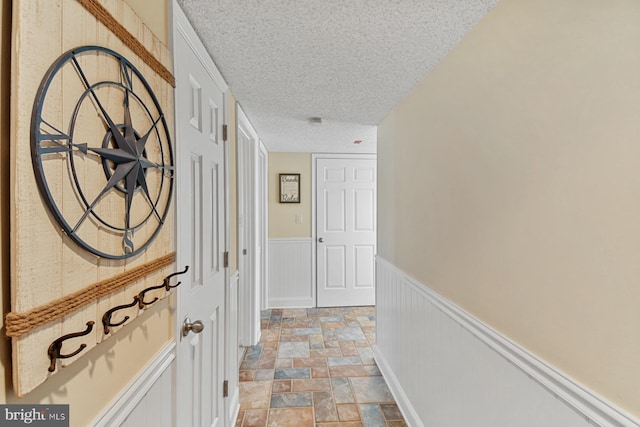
[(347, 61)]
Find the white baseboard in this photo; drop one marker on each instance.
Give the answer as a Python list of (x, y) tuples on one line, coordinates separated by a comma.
[(451, 369), (402, 400), (235, 407), (136, 391), (290, 283)]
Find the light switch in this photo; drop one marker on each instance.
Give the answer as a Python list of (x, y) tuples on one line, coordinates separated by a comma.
[(299, 218)]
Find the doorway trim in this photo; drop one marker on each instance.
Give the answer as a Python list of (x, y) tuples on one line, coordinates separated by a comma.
[(263, 218), (247, 174), (314, 236)]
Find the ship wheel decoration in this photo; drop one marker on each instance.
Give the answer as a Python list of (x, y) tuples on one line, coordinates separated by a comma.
[(101, 152)]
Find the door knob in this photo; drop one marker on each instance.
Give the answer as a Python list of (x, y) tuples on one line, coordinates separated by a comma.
[(195, 327), (321, 240)]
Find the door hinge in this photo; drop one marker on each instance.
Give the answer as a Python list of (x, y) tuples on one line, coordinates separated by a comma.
[(225, 388), (226, 260), (244, 252), (224, 132)]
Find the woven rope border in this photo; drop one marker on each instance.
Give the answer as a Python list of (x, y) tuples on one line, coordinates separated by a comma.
[(18, 324), (103, 15)]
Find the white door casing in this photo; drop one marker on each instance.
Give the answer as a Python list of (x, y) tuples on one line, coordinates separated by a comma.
[(200, 215), (248, 226), (263, 221), (345, 231)]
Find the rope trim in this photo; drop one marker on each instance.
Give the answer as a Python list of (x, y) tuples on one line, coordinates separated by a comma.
[(103, 15), (18, 324)]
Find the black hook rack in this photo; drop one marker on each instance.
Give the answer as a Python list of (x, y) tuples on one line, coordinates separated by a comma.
[(106, 318), (56, 346), (165, 284)]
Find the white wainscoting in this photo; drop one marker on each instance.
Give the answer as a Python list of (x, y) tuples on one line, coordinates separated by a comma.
[(290, 273), (148, 399), (448, 369)]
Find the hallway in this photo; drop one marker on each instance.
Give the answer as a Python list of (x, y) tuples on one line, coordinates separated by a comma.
[(315, 367)]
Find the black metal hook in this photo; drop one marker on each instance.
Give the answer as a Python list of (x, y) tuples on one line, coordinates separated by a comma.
[(56, 346), (106, 318), (166, 280)]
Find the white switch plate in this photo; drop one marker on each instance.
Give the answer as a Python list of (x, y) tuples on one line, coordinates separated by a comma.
[(299, 218)]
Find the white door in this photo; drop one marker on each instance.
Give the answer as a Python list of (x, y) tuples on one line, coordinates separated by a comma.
[(200, 227), (345, 231)]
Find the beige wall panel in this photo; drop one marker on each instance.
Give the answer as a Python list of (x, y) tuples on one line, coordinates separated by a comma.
[(509, 184), (27, 211), (115, 8), (282, 216), (156, 17), (79, 267), (167, 60), (34, 370), (5, 72), (61, 267), (107, 267), (77, 322), (153, 45), (133, 24)]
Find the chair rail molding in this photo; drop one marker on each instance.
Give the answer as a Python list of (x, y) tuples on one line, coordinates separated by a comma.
[(470, 365)]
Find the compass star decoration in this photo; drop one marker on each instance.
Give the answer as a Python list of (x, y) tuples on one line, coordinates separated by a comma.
[(130, 165)]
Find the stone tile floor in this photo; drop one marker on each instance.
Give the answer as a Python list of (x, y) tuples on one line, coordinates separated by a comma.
[(315, 368)]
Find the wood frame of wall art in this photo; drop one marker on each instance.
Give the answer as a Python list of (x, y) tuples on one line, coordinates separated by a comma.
[(59, 296), (289, 187)]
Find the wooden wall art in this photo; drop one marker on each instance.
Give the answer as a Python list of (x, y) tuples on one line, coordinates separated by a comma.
[(92, 179)]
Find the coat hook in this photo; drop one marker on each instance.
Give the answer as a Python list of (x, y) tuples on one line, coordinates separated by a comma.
[(168, 278), (106, 318), (56, 346), (165, 284), (142, 302)]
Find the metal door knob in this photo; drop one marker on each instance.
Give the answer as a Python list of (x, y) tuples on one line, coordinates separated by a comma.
[(321, 240), (195, 327)]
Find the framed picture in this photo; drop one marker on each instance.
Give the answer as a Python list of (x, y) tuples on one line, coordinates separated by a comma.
[(289, 188)]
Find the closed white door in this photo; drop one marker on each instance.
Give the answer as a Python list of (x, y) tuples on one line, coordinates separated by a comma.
[(200, 227), (345, 231)]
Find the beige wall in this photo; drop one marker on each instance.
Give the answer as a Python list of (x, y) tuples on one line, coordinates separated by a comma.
[(92, 382), (282, 216), (510, 183)]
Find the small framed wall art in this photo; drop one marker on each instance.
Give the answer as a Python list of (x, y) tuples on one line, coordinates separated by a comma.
[(289, 188)]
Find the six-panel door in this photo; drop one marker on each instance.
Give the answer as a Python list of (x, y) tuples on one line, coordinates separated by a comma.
[(346, 231)]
